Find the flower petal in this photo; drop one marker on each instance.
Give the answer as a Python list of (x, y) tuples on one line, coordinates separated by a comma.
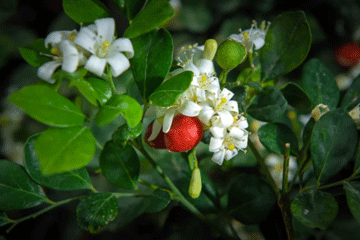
[(191, 67), (118, 62), (86, 38), (237, 133), (190, 109), (226, 93), (258, 42), (218, 157), (236, 37), (229, 154), (205, 66), (96, 65), (46, 70), (70, 56), (155, 130), (105, 29), (57, 36), (123, 45), (215, 144), (206, 113), (242, 144), (168, 118), (226, 119), (218, 132), (231, 106)]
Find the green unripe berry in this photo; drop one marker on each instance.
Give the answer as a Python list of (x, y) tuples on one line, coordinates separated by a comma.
[(210, 47), (195, 183), (230, 54)]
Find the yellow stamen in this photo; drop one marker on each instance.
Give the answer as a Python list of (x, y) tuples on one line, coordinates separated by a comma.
[(106, 44), (223, 100), (54, 51), (231, 147), (72, 36), (245, 34), (203, 78), (235, 119), (195, 98)]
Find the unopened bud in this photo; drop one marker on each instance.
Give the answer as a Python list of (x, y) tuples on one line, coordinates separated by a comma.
[(195, 183), (210, 48), (230, 54)]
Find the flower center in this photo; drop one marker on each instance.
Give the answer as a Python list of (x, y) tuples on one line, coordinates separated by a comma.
[(231, 147), (72, 36), (55, 51), (103, 49)]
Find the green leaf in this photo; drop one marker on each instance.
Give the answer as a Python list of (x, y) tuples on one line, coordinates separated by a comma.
[(47, 106), (96, 211), (120, 166), (268, 105), (352, 95), (145, 21), (333, 143), (319, 84), (152, 60), (123, 134), (315, 209), (158, 200), (86, 89), (196, 16), (4, 219), (250, 199), (17, 190), (240, 93), (125, 105), (102, 89), (287, 44), (249, 74), (133, 7), (170, 90), (357, 161), (63, 149), (352, 190), (296, 96), (274, 136), (72, 180), (31, 53), (85, 11)]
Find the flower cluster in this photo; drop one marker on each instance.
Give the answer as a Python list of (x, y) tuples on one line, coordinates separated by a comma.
[(92, 47), (212, 105)]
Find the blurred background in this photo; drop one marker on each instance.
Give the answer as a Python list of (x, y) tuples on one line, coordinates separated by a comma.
[(334, 24)]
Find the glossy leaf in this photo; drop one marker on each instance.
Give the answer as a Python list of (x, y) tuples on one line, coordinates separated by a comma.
[(85, 11), (352, 190), (72, 180), (125, 105), (296, 96), (31, 53), (133, 7), (170, 90), (315, 209), (352, 95), (86, 89), (123, 134), (249, 74), (319, 84), (333, 143), (250, 199), (287, 44), (17, 190), (158, 200), (268, 105), (47, 106), (152, 60), (119, 165), (102, 89), (96, 211), (63, 149), (240, 93), (4, 219), (274, 136), (145, 21)]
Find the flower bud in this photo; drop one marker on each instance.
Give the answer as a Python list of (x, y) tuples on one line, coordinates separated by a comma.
[(230, 54), (195, 183), (210, 48)]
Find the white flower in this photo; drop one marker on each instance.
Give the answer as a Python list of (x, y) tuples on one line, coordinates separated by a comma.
[(98, 39), (275, 163), (226, 142), (219, 109), (253, 36)]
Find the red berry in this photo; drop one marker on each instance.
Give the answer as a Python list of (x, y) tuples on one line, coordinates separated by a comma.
[(348, 54), (158, 142), (185, 133)]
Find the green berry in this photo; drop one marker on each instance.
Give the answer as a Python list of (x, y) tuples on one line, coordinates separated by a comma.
[(230, 54)]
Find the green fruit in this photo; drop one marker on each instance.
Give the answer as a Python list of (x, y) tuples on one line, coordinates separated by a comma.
[(230, 54)]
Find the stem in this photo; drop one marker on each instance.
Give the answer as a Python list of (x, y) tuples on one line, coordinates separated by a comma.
[(264, 168), (284, 205), (54, 205), (222, 77), (334, 184), (111, 82), (286, 168)]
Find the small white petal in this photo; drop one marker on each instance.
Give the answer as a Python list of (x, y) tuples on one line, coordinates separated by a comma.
[(258, 42), (226, 93), (46, 70), (236, 37), (218, 157), (215, 144), (118, 62), (237, 133), (205, 66), (206, 113), (242, 144), (70, 56), (189, 108), (230, 154), (56, 37), (168, 118), (123, 45), (156, 127), (86, 39), (96, 65), (231, 106), (218, 132), (241, 123), (226, 118), (92, 27), (201, 95), (105, 29), (191, 67)]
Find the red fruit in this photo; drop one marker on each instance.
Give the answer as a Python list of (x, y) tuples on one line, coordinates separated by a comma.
[(348, 54), (185, 133), (158, 142)]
